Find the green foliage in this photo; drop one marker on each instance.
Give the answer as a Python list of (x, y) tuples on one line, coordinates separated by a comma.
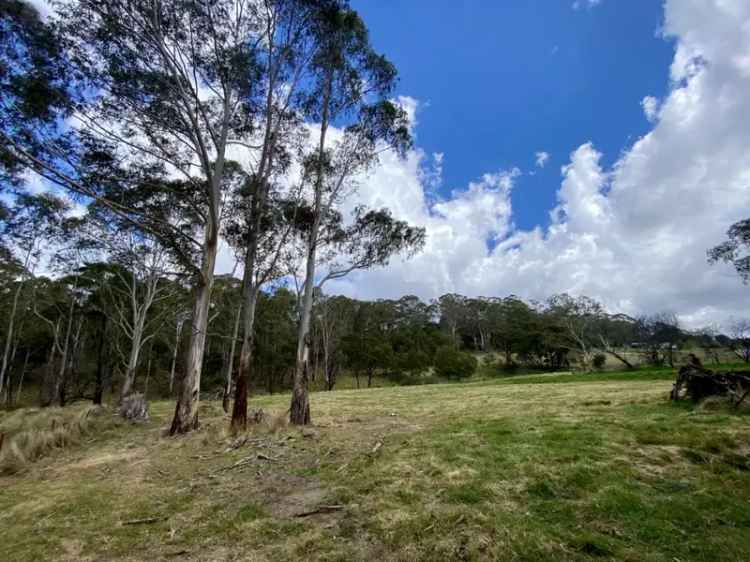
[(736, 250), (454, 364)]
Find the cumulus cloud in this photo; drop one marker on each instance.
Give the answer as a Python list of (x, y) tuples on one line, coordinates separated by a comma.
[(541, 159), (634, 235)]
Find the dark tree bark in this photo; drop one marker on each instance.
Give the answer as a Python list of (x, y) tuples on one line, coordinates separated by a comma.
[(100, 360)]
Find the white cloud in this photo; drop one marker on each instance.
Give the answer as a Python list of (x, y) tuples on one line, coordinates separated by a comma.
[(588, 4), (541, 159), (650, 107), (634, 236)]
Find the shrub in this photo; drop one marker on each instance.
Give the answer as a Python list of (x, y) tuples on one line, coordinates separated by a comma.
[(599, 361), (454, 364)]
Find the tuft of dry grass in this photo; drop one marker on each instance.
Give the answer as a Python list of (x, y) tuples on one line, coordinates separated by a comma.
[(32, 433)]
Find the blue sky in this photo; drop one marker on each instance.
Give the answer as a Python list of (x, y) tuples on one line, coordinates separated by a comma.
[(502, 80)]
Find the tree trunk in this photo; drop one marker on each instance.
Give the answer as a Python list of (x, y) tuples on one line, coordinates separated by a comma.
[(71, 373), (249, 302), (370, 373), (230, 362), (46, 390), (21, 376), (178, 333), (148, 369), (186, 410), (4, 365), (100, 359), (299, 410), (133, 359), (59, 384)]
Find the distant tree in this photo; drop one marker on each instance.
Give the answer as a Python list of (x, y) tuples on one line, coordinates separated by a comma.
[(578, 317), (454, 364), (57, 304), (453, 315), (334, 317), (367, 347), (275, 344), (516, 328), (667, 333), (32, 223), (739, 332), (616, 331), (708, 339)]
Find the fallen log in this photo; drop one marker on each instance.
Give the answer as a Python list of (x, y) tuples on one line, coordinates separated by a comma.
[(694, 382)]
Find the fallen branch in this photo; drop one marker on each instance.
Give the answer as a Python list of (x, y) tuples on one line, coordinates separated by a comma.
[(145, 521), (322, 509)]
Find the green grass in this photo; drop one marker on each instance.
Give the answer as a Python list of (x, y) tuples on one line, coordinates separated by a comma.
[(580, 467)]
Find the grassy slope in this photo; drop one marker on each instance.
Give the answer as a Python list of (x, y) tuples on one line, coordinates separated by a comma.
[(502, 470)]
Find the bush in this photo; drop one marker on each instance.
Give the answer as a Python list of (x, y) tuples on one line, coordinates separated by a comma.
[(599, 361), (454, 364)]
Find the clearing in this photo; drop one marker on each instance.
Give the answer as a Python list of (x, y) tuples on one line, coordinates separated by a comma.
[(603, 468)]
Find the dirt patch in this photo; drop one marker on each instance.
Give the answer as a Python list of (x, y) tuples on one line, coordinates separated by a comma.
[(297, 497), (103, 459)]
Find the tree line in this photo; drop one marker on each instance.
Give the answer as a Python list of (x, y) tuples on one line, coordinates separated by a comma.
[(120, 326)]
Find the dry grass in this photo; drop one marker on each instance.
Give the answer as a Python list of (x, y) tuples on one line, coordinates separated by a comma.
[(30, 434), (579, 470)]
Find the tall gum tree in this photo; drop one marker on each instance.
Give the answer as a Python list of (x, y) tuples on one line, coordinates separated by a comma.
[(351, 85), (284, 58)]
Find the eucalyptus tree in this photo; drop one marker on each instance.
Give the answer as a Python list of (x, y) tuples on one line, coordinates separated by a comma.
[(350, 89), (334, 316), (139, 281), (261, 229), (168, 86)]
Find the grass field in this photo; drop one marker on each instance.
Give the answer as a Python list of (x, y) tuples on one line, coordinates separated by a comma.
[(546, 467)]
